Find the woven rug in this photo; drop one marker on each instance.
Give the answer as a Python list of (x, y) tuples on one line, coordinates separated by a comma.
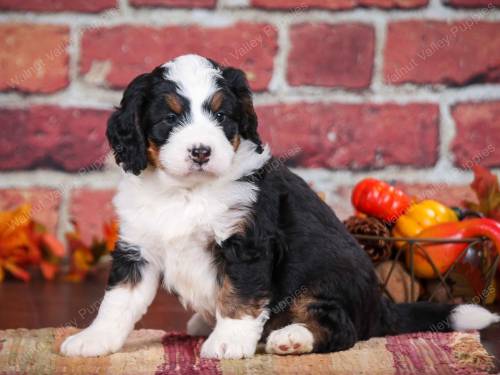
[(25, 351)]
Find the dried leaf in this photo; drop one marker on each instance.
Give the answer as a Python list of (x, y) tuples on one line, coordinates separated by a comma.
[(16, 271), (110, 234), (487, 190), (49, 270), (83, 256), (53, 245), (24, 242)]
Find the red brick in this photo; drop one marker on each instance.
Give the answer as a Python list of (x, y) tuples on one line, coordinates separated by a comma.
[(487, 4), (33, 58), (456, 53), (129, 51), (331, 55), (478, 134), (46, 136), (300, 5), (90, 209), (354, 136), (89, 6), (176, 3), (450, 195), (44, 204)]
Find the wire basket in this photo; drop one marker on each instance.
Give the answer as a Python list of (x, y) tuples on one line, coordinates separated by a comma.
[(416, 244)]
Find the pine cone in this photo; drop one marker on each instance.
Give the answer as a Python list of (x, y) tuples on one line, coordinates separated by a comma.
[(378, 250)]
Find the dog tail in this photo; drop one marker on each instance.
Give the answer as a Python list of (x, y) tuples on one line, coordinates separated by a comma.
[(435, 317)]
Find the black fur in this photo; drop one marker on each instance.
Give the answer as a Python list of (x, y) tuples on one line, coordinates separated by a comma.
[(294, 242), (127, 265), (237, 82), (124, 132)]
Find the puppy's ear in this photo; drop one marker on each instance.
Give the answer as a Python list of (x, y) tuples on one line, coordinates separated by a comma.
[(238, 84), (125, 135)]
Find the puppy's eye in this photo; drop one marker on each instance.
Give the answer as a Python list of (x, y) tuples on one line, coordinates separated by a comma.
[(220, 116), (171, 118)]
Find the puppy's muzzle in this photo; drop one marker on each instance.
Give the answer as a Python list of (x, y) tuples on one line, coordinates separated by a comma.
[(200, 154)]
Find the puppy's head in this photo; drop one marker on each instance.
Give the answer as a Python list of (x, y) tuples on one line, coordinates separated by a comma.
[(186, 117)]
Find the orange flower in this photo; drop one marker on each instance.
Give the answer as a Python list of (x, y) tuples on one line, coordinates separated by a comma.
[(83, 256), (110, 234), (24, 242), (16, 246)]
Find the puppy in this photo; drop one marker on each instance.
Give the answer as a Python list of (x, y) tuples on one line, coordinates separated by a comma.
[(205, 210)]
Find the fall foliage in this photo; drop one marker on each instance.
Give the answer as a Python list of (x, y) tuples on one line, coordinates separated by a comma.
[(26, 245), (487, 189)]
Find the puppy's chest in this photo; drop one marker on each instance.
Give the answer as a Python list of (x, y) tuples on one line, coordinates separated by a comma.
[(178, 231)]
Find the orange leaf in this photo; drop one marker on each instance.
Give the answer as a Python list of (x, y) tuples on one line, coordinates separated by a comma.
[(49, 270), (82, 259), (17, 271), (110, 234), (11, 221), (53, 245)]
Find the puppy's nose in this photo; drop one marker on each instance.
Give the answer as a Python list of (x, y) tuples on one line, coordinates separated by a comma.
[(201, 154)]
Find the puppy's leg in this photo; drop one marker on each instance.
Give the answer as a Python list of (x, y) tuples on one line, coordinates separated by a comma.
[(197, 326), (132, 286), (319, 326), (239, 326)]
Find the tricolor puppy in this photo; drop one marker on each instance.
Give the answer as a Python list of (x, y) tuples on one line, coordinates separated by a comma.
[(205, 210)]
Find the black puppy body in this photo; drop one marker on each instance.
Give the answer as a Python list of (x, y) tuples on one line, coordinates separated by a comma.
[(299, 256)]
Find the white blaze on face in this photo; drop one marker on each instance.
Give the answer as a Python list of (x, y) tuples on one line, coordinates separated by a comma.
[(196, 78)]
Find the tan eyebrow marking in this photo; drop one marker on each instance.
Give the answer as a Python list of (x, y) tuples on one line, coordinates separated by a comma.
[(173, 103), (236, 142), (153, 155), (216, 101)]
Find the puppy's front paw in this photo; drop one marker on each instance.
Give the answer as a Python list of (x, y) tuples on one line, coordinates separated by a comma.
[(225, 346), (91, 342)]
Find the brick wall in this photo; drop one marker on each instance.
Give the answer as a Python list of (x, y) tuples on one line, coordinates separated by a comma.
[(398, 89)]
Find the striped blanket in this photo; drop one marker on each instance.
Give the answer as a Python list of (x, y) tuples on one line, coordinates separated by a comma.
[(25, 351)]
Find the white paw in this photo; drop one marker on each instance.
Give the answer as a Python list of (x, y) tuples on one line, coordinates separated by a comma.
[(292, 339), (91, 342), (197, 326), (228, 346), (234, 338)]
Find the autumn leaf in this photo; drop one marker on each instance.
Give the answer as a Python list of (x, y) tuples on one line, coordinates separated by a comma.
[(16, 246), (487, 190), (86, 256), (15, 270), (53, 245), (48, 269), (110, 234), (24, 242)]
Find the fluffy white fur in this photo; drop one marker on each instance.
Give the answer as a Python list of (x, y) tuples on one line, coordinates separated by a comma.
[(292, 339), (234, 338), (195, 77), (174, 154), (469, 317)]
